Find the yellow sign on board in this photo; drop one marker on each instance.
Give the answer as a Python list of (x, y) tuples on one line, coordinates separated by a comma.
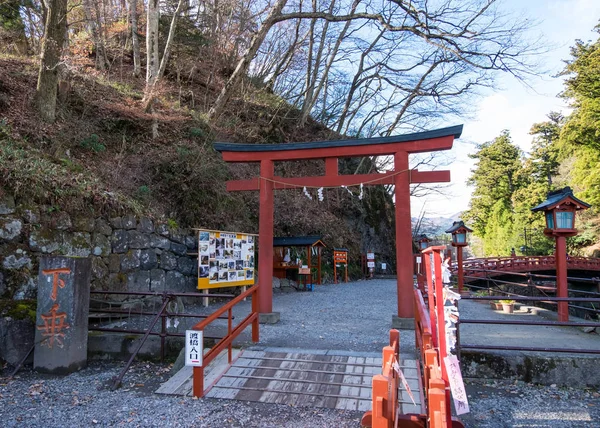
[(225, 259)]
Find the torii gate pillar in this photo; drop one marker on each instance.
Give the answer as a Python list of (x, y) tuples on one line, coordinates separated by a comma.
[(399, 147), (404, 256)]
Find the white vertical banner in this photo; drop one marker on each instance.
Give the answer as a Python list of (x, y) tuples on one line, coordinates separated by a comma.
[(457, 387), (193, 348)]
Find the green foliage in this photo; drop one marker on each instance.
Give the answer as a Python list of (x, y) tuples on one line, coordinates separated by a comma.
[(194, 179), (583, 89), (93, 143), (143, 193), (31, 174), (496, 176), (18, 309)]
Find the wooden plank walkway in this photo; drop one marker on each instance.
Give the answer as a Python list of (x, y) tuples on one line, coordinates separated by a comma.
[(300, 378)]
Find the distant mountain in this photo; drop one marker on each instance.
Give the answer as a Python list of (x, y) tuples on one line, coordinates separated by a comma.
[(434, 226)]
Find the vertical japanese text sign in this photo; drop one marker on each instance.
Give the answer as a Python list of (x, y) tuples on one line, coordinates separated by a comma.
[(193, 348), (63, 302)]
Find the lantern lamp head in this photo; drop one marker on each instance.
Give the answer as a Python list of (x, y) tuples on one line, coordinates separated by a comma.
[(559, 210), (459, 234), (423, 241)]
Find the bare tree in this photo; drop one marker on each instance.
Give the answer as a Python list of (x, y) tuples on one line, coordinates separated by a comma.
[(52, 45), (137, 66), (155, 71)]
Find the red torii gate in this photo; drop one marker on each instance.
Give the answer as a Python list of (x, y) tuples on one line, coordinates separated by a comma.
[(398, 146)]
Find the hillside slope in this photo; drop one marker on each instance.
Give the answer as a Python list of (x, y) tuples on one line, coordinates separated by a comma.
[(105, 156)]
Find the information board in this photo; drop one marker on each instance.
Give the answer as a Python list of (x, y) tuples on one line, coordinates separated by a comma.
[(225, 259), (194, 348)]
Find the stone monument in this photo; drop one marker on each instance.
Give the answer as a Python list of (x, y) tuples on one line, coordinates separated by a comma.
[(62, 314)]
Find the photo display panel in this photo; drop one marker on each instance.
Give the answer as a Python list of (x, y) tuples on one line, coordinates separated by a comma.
[(225, 259)]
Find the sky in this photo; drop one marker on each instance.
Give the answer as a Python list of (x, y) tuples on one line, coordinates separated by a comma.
[(512, 105)]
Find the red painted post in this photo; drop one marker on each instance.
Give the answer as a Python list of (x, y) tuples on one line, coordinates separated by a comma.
[(459, 262), (403, 235), (255, 323), (265, 238), (561, 277), (198, 381)]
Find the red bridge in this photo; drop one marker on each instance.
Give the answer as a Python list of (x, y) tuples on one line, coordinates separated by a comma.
[(495, 266)]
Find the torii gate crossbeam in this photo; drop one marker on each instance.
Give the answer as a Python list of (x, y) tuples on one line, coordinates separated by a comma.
[(397, 146)]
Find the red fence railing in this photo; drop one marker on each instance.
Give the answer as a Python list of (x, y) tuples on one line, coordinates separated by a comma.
[(226, 342), (479, 267)]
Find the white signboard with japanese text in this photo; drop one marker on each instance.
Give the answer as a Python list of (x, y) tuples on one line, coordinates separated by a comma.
[(457, 386), (370, 256), (371, 264), (193, 348)]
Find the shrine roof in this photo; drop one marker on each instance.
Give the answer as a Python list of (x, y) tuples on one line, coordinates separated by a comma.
[(298, 241), (557, 196), (424, 135)]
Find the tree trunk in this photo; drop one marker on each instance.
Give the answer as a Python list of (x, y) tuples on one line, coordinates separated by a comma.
[(152, 63), (151, 86), (93, 26), (242, 66), (52, 44), (137, 67)]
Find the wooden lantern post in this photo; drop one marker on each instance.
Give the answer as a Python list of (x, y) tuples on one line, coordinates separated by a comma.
[(559, 210), (459, 240)]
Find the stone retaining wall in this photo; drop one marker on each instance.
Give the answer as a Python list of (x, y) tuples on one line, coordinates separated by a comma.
[(128, 253)]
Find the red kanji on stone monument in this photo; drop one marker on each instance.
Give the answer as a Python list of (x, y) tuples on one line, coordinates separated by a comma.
[(54, 324), (56, 281)]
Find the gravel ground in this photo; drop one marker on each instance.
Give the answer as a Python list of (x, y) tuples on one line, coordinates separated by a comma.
[(354, 316)]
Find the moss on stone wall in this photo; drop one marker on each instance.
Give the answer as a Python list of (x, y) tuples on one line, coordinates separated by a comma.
[(18, 309)]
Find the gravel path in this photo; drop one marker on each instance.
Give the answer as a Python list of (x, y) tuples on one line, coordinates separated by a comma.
[(354, 316)]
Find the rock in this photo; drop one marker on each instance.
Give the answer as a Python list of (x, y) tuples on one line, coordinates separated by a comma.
[(3, 287), (191, 242), (116, 222), (138, 281), (117, 282), (157, 280), (185, 265), (138, 239), (61, 221), (14, 262), (7, 204), (179, 362), (10, 228), (102, 226), (83, 224), (45, 241), (148, 259), (100, 245), (157, 241), (77, 244), (130, 260), (16, 338), (179, 249), (26, 290), (178, 236), (119, 241), (168, 261), (162, 229), (99, 268), (589, 329), (31, 216), (145, 225), (128, 222), (114, 263), (175, 281), (276, 282)]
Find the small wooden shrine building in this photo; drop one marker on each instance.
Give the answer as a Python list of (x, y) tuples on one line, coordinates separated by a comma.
[(291, 253)]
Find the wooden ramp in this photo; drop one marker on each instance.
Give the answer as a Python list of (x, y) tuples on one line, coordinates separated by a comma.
[(336, 380)]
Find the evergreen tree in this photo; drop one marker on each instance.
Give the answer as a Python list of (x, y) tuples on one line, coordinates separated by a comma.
[(497, 175)]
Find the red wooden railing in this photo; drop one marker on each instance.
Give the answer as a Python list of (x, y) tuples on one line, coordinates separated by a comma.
[(226, 342), (497, 265)]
